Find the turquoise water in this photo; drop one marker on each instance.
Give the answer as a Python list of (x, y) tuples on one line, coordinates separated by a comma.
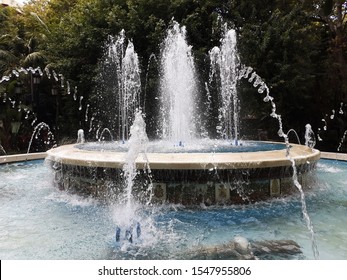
[(201, 146), (37, 221)]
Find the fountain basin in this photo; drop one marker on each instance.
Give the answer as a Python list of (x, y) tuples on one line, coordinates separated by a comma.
[(187, 177), (32, 210)]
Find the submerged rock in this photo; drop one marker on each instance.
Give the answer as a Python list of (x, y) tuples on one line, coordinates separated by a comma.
[(276, 247), (242, 249), (239, 249)]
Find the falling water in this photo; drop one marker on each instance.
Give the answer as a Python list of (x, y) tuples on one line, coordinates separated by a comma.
[(38, 128), (343, 138), (304, 211), (102, 137), (178, 87), (310, 139), (341, 108), (80, 106), (2, 150), (50, 74), (86, 113), (253, 77), (152, 60), (296, 135), (225, 64)]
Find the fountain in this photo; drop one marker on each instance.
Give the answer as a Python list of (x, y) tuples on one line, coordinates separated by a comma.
[(185, 168), (162, 196)]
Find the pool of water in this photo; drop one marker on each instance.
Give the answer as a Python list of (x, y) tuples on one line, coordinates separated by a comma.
[(37, 221), (200, 146)]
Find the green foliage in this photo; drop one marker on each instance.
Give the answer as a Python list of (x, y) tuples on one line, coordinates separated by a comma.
[(327, 7)]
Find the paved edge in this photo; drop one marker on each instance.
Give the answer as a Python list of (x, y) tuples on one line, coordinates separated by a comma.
[(33, 156), (336, 156), (70, 155), (21, 157)]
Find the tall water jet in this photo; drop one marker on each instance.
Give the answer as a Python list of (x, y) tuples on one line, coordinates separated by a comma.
[(225, 64), (178, 87), (125, 209), (80, 136), (138, 142), (119, 85)]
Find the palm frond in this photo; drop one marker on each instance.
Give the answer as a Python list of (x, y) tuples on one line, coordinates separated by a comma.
[(40, 21), (7, 56), (34, 57)]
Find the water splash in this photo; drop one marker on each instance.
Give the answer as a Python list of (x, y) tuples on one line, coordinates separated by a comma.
[(310, 138), (177, 87)]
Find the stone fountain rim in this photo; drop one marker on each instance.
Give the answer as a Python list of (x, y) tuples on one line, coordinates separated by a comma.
[(71, 155)]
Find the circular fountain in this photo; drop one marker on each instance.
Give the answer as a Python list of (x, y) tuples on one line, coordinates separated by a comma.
[(182, 167)]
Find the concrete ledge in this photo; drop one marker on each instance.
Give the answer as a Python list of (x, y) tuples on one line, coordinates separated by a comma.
[(336, 156), (22, 157), (43, 155), (70, 155)]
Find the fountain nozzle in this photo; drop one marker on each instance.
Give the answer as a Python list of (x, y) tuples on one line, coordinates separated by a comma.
[(128, 233)]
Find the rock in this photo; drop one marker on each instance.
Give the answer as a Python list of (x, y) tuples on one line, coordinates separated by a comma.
[(241, 249), (287, 247), (238, 249), (242, 245)]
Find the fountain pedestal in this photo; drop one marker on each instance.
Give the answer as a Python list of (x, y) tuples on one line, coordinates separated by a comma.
[(187, 178)]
